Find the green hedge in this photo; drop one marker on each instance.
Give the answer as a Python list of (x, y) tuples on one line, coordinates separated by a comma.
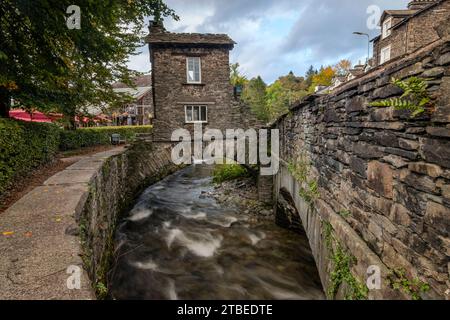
[(27, 145), (88, 137), (24, 146)]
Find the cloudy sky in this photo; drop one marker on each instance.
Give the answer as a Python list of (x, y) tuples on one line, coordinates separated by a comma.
[(276, 36)]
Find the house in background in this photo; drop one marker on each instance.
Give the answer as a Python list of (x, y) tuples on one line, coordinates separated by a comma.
[(340, 79), (355, 72), (140, 111), (190, 81), (405, 31), (337, 81), (402, 32)]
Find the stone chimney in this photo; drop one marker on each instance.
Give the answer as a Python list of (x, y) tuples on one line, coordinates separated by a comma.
[(420, 4), (156, 27)]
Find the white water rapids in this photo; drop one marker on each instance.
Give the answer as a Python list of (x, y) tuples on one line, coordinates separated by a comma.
[(178, 244)]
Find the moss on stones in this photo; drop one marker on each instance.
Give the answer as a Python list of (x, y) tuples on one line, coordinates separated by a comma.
[(341, 274), (309, 188)]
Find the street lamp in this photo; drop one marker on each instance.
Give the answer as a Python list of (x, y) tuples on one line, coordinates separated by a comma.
[(368, 42)]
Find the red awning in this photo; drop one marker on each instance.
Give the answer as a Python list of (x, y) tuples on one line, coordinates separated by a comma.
[(95, 119), (36, 116)]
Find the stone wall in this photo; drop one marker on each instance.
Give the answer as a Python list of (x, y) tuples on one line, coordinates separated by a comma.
[(383, 178), (421, 29), (112, 190)]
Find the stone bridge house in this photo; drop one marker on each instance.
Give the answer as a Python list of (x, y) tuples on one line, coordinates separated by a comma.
[(191, 83)]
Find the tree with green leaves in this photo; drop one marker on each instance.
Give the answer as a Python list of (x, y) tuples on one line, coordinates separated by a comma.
[(236, 77), (46, 65), (309, 75), (254, 95), (323, 78), (343, 67), (293, 84), (283, 93), (277, 100)]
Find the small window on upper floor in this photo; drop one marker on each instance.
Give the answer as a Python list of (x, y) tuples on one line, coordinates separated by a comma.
[(194, 70), (387, 25), (385, 54)]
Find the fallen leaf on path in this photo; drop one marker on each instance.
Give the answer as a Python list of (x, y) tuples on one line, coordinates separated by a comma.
[(28, 234), (8, 233)]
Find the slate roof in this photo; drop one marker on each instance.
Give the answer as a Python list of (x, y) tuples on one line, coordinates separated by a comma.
[(356, 72), (144, 80), (397, 13), (407, 14), (339, 78), (189, 38), (137, 93), (375, 38), (418, 12)]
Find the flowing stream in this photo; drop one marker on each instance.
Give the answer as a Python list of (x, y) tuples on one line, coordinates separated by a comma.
[(179, 244)]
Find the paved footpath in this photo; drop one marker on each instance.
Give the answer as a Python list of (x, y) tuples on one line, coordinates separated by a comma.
[(37, 241)]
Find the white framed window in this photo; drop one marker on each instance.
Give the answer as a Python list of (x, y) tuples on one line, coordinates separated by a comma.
[(385, 54), (194, 70), (387, 25), (196, 114)]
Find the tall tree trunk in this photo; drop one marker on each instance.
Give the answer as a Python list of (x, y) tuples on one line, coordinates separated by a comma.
[(5, 103), (71, 121)]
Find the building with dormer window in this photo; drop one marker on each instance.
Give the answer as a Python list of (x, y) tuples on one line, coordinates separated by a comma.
[(139, 111), (405, 31)]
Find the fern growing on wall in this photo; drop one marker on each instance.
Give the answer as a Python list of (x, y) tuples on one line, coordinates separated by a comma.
[(415, 97), (300, 168)]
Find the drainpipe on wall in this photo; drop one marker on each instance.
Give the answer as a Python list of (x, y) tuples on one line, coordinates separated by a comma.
[(407, 38), (152, 59)]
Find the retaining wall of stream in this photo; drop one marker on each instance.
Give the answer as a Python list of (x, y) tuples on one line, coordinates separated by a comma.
[(377, 183), (114, 188)]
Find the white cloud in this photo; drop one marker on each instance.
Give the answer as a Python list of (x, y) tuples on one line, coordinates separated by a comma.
[(277, 36), (140, 62)]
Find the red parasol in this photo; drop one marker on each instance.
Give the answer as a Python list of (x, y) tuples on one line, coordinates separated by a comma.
[(36, 116)]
